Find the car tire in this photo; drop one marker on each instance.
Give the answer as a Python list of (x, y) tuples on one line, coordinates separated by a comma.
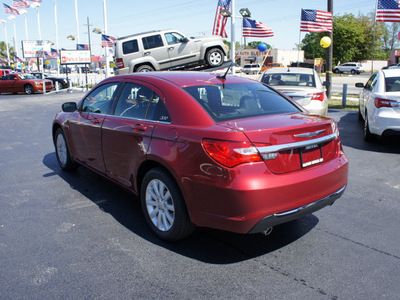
[(164, 207), (62, 152), (336, 71), (144, 68), (360, 117), (353, 72), (368, 136), (28, 89), (214, 57)]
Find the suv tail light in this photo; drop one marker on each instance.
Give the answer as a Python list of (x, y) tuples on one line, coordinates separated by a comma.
[(120, 63), (317, 96), (380, 102), (231, 154)]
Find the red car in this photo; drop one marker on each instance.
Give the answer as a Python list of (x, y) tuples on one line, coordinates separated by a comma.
[(23, 83), (204, 150)]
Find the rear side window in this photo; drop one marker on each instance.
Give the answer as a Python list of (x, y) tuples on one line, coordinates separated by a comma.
[(392, 84), (240, 100), (130, 47), (153, 41), (140, 102)]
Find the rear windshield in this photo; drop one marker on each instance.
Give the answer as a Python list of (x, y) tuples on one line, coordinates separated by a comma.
[(291, 79), (240, 100), (392, 84)]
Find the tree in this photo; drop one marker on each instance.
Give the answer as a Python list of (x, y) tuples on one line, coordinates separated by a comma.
[(352, 39)]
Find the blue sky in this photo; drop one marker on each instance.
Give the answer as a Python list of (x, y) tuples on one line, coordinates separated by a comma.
[(192, 17)]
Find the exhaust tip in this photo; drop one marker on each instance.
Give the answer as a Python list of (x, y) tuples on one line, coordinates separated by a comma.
[(268, 231)]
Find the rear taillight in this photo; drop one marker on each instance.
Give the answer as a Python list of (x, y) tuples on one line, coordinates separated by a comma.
[(120, 63), (231, 154), (318, 96), (379, 102)]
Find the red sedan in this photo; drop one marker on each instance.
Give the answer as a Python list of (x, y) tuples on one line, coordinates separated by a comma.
[(23, 83), (204, 150)]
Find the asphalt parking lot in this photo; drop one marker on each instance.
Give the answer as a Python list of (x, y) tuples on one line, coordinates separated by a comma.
[(77, 236)]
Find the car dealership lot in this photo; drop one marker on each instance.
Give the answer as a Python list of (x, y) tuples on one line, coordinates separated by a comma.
[(76, 235)]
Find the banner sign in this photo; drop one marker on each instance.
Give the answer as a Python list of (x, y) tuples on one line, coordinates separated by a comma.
[(36, 48), (75, 57)]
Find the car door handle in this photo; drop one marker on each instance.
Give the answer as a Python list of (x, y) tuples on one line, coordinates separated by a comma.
[(139, 127), (146, 53), (171, 48), (96, 121)]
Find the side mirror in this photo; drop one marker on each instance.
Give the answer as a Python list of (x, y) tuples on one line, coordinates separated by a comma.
[(326, 83), (185, 40), (359, 85), (69, 107)]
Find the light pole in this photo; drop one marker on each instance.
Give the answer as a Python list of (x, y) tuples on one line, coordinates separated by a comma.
[(105, 32), (37, 5), (12, 18), (55, 20), (5, 33), (24, 12)]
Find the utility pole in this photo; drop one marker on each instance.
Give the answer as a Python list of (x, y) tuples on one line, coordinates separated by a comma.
[(329, 55)]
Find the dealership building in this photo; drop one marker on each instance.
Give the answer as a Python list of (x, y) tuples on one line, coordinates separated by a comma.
[(285, 57)]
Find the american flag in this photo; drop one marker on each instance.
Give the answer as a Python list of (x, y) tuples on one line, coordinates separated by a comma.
[(388, 11), (107, 40), (252, 28), (220, 21), (10, 10), (21, 3), (35, 0), (82, 47), (315, 20)]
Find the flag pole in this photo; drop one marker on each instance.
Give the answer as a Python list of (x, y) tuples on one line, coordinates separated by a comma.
[(55, 20), (373, 40), (233, 50)]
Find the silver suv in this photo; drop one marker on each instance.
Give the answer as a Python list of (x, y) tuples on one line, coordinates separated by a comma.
[(353, 68), (166, 49)]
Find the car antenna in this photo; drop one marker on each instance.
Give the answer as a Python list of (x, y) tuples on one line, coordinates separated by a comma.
[(223, 77)]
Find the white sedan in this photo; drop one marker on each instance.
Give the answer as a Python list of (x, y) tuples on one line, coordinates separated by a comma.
[(380, 104), (303, 85)]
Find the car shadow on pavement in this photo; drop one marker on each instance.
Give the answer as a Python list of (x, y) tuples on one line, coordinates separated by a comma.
[(351, 135), (206, 245)]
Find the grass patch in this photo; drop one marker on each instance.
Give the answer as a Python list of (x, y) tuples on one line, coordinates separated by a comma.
[(337, 104)]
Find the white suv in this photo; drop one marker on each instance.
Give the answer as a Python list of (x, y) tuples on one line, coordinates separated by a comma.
[(351, 67), (166, 49)]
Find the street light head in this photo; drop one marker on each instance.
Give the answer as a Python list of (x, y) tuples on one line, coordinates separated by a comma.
[(225, 13), (98, 30), (71, 37), (245, 12), (12, 18), (22, 11), (3, 21), (35, 5)]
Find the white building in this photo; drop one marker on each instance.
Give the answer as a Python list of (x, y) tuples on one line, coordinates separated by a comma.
[(285, 57)]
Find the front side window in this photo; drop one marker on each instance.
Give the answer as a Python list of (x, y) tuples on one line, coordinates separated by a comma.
[(173, 38), (153, 41), (100, 99), (140, 102), (240, 100)]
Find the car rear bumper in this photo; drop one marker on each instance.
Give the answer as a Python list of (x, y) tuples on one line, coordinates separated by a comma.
[(294, 214), (245, 199), (385, 122)]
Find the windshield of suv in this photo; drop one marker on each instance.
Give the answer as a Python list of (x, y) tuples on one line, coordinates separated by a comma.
[(240, 100), (291, 79)]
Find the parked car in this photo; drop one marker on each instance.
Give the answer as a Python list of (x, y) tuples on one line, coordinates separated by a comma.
[(58, 82), (391, 66), (251, 68), (166, 49), (303, 85), (302, 65), (379, 104), (270, 66), (203, 150), (23, 83), (4, 72), (353, 68)]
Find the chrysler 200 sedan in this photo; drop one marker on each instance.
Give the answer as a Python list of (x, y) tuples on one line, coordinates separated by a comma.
[(203, 150)]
